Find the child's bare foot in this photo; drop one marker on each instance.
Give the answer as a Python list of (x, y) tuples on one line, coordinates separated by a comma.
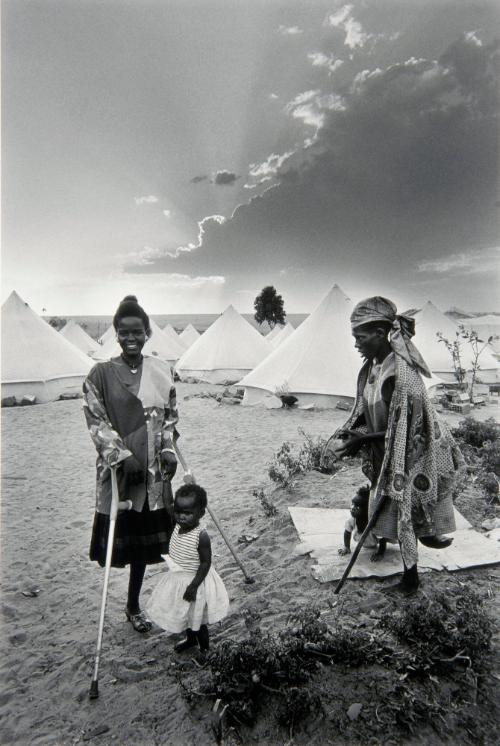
[(344, 550)]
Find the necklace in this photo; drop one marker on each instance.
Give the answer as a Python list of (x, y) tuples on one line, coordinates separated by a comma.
[(133, 368)]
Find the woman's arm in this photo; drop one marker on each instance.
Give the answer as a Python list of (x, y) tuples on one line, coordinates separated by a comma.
[(205, 552), (108, 443)]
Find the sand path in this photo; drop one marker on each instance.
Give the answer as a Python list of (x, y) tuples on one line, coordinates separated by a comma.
[(47, 641)]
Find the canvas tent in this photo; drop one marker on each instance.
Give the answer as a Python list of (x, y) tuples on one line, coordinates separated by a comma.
[(229, 349), (189, 335), (110, 333), (275, 331), (317, 363), (171, 334), (74, 333), (36, 359), (486, 326), (158, 345), (284, 333), (430, 320)]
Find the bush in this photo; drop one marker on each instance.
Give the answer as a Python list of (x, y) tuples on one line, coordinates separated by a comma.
[(442, 630), (287, 465), (269, 508), (475, 433)]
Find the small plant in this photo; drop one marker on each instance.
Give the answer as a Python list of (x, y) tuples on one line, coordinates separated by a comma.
[(477, 347), (453, 347), (286, 465), (267, 505)]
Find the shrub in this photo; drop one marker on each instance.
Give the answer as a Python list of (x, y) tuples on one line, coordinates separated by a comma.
[(287, 465), (442, 630), (475, 433), (267, 505)]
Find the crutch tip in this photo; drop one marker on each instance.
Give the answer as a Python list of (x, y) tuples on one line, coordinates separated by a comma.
[(249, 579), (94, 690)]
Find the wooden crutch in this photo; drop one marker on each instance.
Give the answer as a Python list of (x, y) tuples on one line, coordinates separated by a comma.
[(189, 479)]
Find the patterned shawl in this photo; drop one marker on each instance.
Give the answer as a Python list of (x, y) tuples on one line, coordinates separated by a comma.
[(422, 462)]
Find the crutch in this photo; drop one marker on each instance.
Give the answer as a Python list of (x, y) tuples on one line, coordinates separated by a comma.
[(362, 538), (189, 479), (94, 686)]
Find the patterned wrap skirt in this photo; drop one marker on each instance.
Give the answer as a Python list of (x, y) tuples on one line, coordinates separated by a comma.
[(167, 608), (139, 537)]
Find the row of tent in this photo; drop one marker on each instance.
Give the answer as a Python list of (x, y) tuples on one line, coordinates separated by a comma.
[(316, 362)]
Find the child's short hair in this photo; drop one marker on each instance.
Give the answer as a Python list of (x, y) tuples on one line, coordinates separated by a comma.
[(186, 490), (363, 493)]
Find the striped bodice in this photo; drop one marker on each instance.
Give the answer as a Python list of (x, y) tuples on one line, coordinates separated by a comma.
[(184, 548)]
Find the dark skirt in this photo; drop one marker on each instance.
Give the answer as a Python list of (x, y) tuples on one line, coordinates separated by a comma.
[(139, 537)]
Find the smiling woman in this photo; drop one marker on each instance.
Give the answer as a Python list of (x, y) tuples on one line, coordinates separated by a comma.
[(131, 413)]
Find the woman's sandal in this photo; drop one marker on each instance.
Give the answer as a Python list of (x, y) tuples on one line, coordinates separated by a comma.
[(139, 621)]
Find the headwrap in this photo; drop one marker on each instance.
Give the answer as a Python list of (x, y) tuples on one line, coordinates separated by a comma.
[(402, 330), (130, 307)]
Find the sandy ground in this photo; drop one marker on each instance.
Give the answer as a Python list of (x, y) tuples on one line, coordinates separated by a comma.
[(47, 641)]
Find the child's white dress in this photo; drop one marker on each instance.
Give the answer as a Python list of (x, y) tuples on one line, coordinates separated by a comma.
[(167, 608)]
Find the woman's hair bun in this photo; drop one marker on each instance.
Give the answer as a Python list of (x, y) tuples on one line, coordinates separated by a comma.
[(132, 298)]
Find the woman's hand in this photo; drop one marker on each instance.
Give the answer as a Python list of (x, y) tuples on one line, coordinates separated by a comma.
[(190, 593), (132, 470), (168, 463), (352, 441)]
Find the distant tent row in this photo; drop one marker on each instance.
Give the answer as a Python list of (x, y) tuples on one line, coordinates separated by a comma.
[(230, 348), (74, 333), (164, 345), (189, 335), (486, 326), (316, 362), (283, 332), (430, 320)]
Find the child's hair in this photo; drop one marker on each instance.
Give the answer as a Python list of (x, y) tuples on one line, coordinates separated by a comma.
[(196, 491), (363, 493), (362, 497)]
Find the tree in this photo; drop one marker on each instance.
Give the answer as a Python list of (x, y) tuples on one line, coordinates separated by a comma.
[(269, 307), (478, 346), (57, 323)]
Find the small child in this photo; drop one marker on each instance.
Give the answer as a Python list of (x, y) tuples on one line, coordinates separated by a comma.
[(357, 523), (191, 594)]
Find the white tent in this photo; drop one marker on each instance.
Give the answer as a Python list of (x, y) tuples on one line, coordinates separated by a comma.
[(430, 320), (189, 335), (229, 349), (110, 333), (284, 333), (158, 345), (171, 334), (36, 359), (277, 329), (317, 363), (74, 333), (486, 326)]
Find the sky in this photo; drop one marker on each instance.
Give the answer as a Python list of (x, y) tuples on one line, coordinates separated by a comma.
[(193, 152)]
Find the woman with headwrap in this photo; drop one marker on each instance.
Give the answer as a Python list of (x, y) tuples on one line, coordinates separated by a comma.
[(131, 413), (408, 455)]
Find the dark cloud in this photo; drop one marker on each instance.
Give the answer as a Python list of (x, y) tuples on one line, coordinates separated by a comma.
[(197, 179), (225, 178), (405, 173)]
